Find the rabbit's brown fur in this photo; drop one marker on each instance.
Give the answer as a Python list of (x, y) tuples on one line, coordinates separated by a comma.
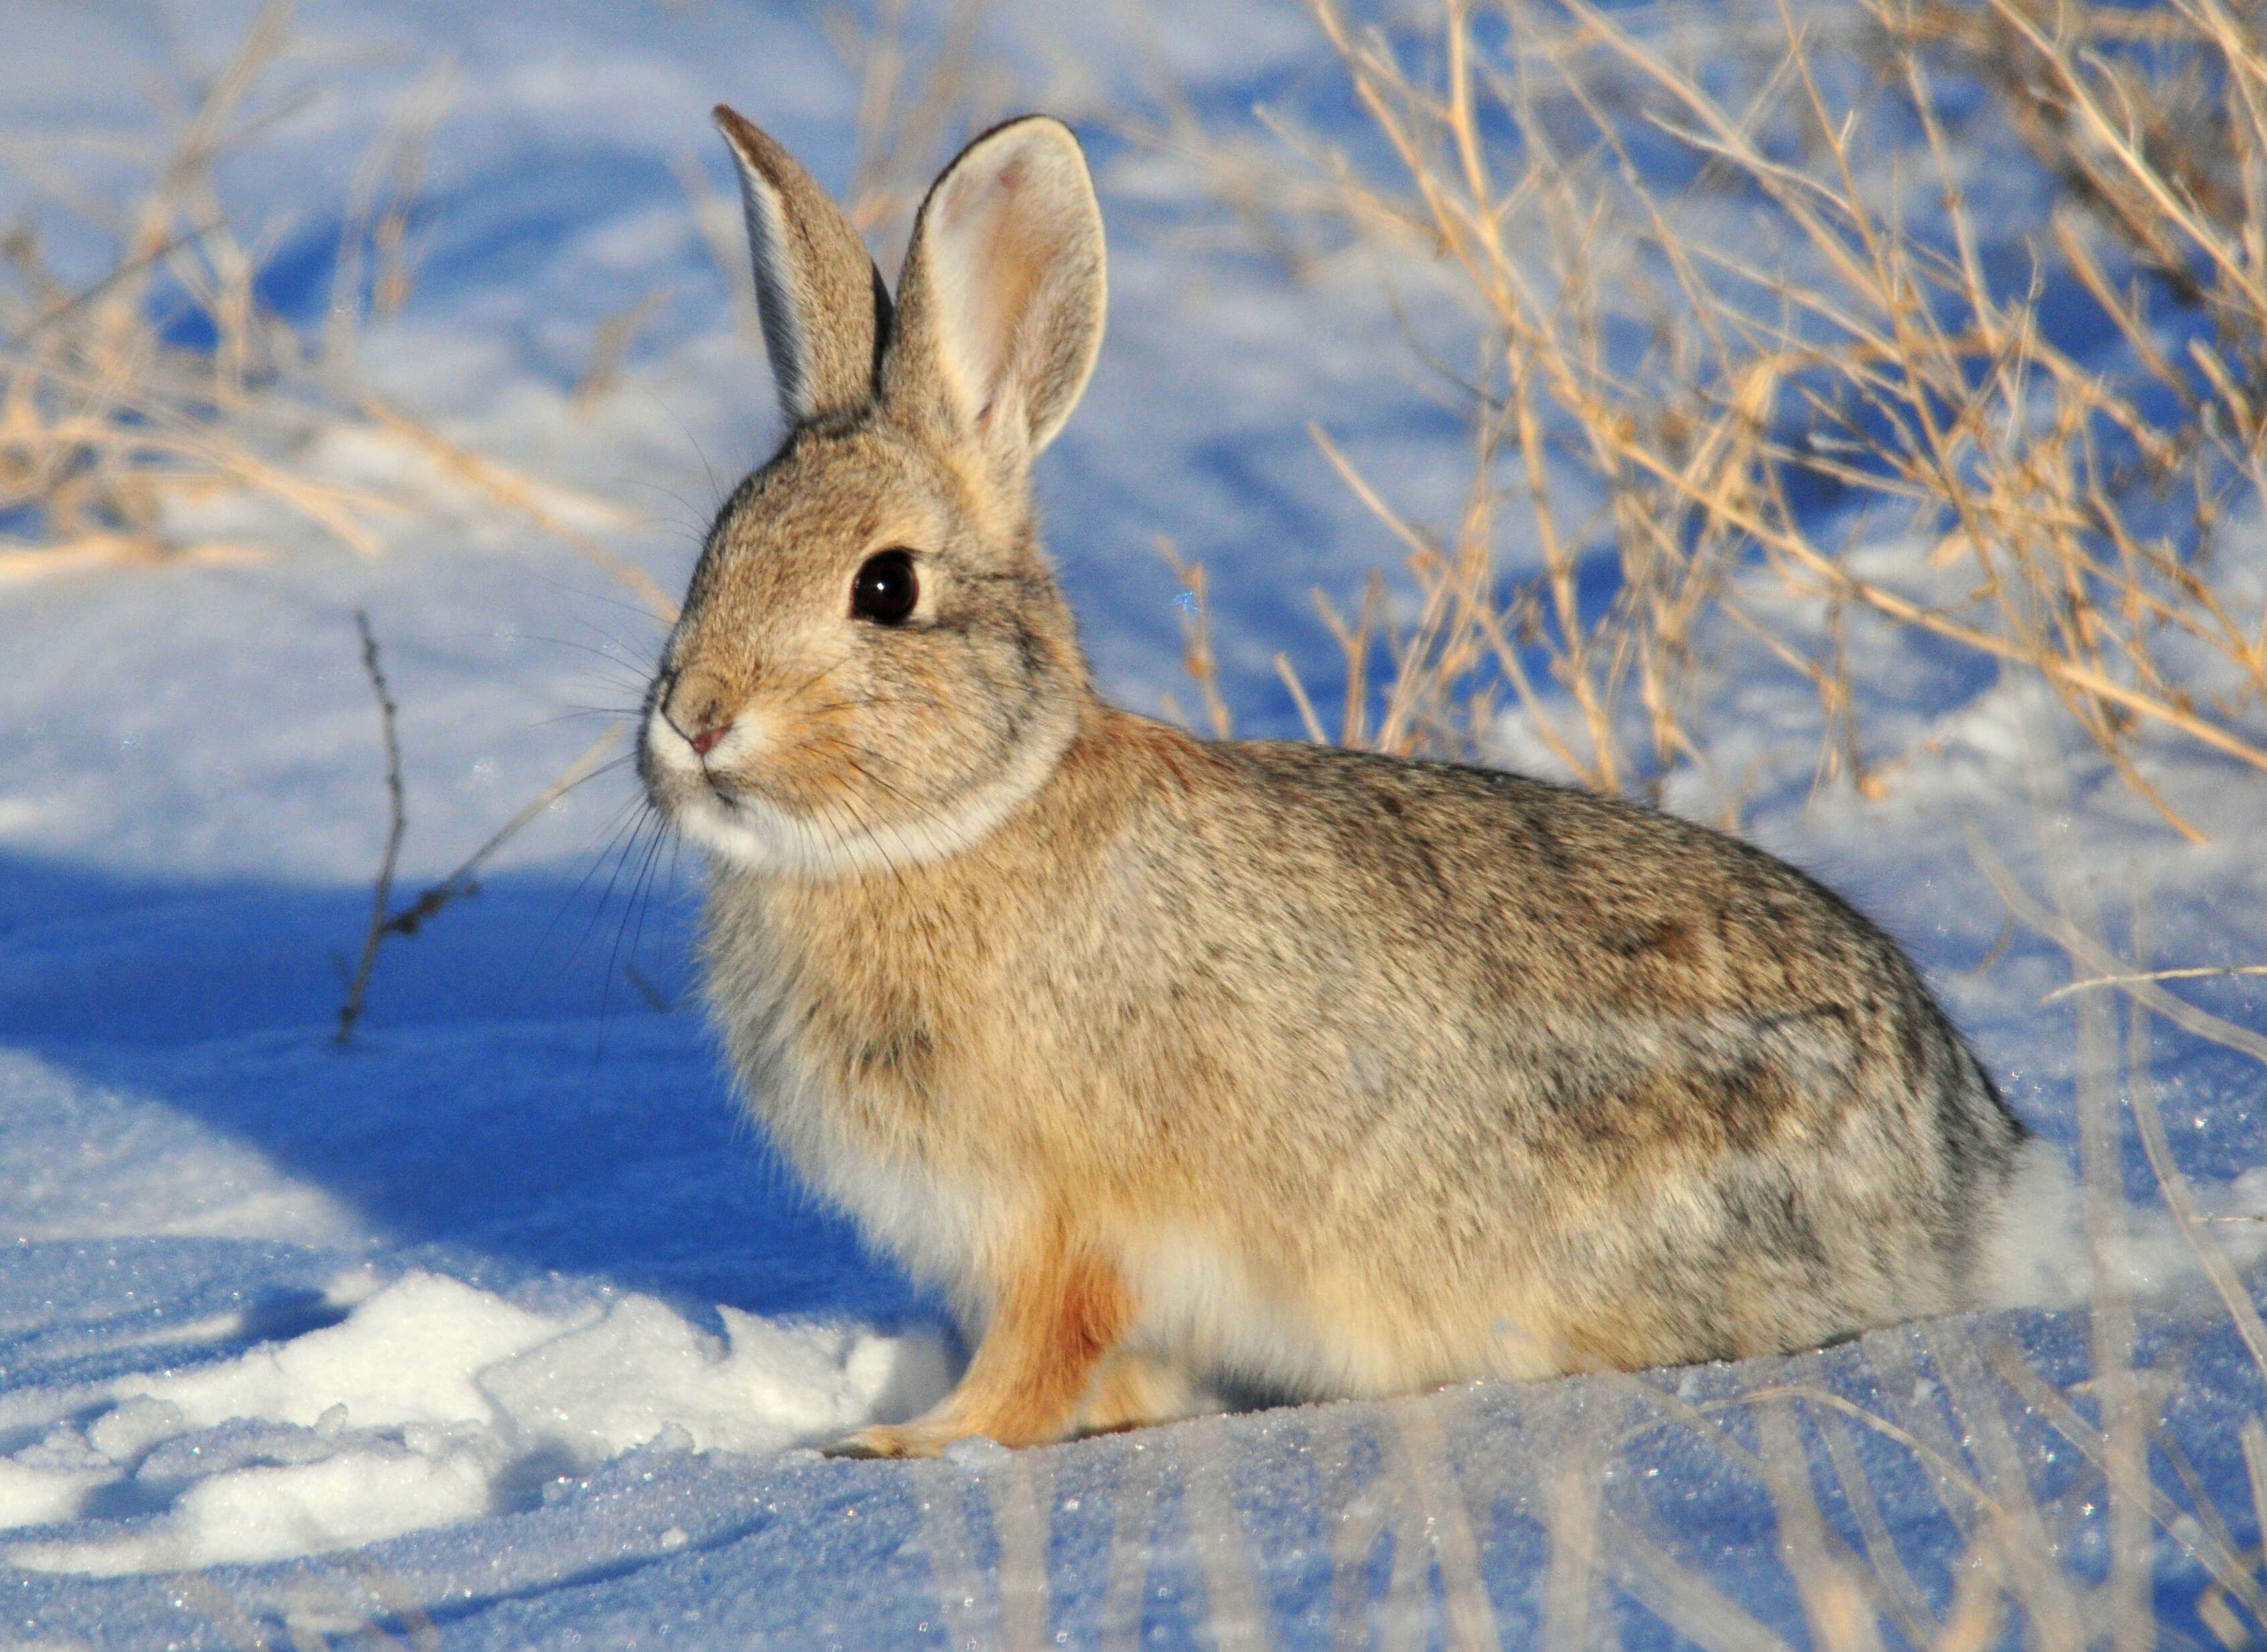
[(1175, 1059)]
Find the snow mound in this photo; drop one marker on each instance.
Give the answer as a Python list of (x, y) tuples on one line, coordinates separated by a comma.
[(431, 1402)]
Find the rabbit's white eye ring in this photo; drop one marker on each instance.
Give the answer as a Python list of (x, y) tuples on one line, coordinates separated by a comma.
[(886, 589)]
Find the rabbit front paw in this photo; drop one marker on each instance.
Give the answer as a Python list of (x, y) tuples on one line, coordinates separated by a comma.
[(891, 1440)]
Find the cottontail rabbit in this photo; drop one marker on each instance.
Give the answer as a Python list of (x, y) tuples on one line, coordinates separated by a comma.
[(1175, 1060)]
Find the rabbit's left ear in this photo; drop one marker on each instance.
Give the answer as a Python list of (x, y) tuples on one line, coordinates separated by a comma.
[(999, 307), (824, 310)]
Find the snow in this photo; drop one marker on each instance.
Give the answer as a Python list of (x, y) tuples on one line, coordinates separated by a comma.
[(502, 1329), (421, 1407)]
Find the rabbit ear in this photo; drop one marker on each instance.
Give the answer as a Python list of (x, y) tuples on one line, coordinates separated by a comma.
[(1001, 300), (825, 310)]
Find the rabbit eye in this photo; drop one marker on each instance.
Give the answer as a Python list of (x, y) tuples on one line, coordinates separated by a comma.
[(886, 589)]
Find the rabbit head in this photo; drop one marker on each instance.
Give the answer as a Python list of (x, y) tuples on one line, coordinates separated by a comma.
[(874, 664)]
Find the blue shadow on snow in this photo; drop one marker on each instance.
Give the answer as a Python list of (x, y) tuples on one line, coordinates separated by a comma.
[(512, 1106)]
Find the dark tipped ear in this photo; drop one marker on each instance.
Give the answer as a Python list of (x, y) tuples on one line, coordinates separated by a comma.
[(825, 310), (1001, 307)]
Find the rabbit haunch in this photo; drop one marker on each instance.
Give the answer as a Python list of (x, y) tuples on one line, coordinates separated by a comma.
[(1177, 1060)]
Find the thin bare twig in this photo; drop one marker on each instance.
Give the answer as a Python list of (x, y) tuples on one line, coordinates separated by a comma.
[(381, 900), (461, 881), (465, 879)]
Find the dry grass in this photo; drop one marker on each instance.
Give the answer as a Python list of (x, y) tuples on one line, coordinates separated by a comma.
[(387, 919), (107, 422), (169, 381), (1746, 340)]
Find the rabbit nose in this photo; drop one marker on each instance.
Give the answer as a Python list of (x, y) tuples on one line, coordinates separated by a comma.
[(696, 708)]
